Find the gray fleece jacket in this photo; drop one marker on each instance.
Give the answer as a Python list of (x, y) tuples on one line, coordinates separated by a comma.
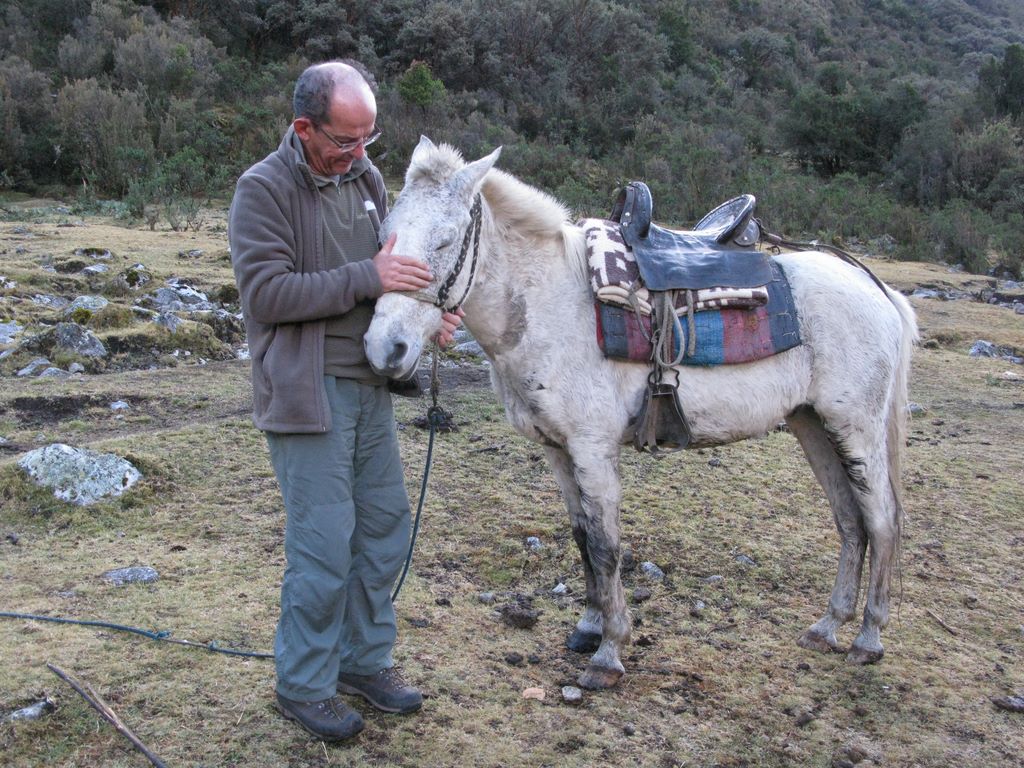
[(286, 289)]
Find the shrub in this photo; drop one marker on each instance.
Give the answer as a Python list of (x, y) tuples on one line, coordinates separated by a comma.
[(104, 134)]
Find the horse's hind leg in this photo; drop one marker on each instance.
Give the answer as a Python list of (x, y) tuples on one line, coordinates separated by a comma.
[(882, 521), (829, 470), (587, 636)]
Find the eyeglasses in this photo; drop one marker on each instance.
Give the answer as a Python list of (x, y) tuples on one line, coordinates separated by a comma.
[(350, 146)]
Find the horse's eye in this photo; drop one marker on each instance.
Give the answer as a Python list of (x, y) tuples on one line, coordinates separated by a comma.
[(444, 240)]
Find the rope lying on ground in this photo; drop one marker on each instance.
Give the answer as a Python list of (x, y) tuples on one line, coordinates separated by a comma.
[(164, 636)]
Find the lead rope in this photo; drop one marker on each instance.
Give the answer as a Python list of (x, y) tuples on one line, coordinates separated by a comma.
[(436, 416)]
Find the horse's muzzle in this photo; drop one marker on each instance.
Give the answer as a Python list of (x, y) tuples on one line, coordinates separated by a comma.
[(393, 358)]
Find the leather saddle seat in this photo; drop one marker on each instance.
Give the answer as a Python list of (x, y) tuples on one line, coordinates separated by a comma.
[(718, 251)]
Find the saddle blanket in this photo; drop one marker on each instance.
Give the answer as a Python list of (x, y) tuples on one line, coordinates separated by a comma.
[(615, 277), (723, 336)]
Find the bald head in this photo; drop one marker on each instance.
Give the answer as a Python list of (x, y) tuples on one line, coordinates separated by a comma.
[(331, 81)]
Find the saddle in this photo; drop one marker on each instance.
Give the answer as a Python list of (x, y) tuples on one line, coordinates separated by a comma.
[(718, 251)]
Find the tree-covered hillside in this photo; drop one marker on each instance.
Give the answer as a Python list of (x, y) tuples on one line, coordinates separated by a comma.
[(845, 118)]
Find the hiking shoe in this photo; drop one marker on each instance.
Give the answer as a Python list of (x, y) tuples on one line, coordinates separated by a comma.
[(386, 690), (330, 719)]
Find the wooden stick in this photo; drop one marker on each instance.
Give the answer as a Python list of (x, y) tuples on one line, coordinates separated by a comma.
[(96, 702), (942, 624)]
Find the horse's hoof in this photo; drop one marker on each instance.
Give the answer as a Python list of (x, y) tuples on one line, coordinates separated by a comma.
[(598, 678), (583, 642), (815, 641), (864, 655)]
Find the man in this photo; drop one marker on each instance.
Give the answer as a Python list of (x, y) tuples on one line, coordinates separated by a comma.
[(304, 244)]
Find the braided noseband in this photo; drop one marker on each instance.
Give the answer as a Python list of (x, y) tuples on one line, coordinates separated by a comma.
[(472, 236)]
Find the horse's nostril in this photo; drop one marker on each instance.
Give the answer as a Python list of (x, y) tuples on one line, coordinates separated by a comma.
[(398, 352)]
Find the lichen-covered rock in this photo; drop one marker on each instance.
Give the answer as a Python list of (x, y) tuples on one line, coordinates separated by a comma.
[(135, 574), (74, 338), (8, 331), (79, 475), (91, 303)]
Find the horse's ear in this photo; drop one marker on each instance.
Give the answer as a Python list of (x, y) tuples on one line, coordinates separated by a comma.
[(424, 144), (466, 181)]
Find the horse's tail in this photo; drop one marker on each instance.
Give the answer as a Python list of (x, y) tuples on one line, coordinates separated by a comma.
[(899, 400)]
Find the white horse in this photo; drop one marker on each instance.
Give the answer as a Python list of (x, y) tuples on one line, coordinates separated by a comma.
[(527, 301)]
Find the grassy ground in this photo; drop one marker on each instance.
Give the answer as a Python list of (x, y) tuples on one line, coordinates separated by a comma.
[(724, 685)]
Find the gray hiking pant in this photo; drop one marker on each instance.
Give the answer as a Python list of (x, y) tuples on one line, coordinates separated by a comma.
[(346, 536)]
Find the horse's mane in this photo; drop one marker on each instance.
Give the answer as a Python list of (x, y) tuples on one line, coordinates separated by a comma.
[(533, 215), (516, 207)]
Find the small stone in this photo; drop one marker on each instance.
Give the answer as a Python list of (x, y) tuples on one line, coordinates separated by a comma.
[(571, 694), (804, 719), (714, 462), (533, 658), (803, 666), (76, 368), (95, 269), (627, 561), (560, 589), (745, 560), (533, 543), (13, 538), (652, 571), (1010, 703), (714, 579), (641, 595), (513, 658), (534, 693), (487, 598), (697, 608), (136, 574), (54, 373), (971, 600), (32, 711), (629, 729)]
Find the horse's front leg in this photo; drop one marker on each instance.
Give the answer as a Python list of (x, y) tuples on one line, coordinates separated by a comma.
[(586, 637), (596, 470)]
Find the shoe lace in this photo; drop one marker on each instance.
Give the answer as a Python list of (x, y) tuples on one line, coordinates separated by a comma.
[(393, 676)]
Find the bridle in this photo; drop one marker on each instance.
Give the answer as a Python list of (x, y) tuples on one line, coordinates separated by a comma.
[(471, 249)]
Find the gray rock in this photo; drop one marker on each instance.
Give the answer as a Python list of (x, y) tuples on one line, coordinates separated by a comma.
[(169, 320), (54, 373), (79, 475), (534, 543), (46, 300), (560, 589), (487, 598), (136, 574), (76, 368), (914, 409), (91, 303), (74, 338), (35, 365), (745, 560), (95, 269), (982, 348), (470, 348), (641, 594), (714, 579), (6, 282), (571, 694), (8, 331), (32, 711), (119, 405), (652, 571)]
